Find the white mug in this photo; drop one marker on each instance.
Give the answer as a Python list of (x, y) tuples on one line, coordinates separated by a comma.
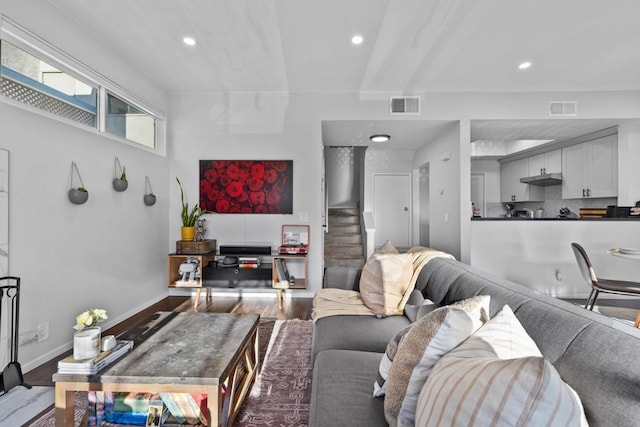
[(108, 342)]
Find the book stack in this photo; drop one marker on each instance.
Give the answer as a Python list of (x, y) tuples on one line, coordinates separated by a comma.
[(282, 273), (69, 365), (248, 262), (186, 408), (144, 409)]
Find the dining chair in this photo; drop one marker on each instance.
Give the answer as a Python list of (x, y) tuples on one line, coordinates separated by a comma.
[(598, 284)]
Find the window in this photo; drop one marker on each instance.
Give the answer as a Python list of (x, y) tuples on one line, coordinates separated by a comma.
[(42, 77), (27, 79), (126, 121)]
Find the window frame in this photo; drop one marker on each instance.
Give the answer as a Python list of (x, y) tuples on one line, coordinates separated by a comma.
[(25, 40)]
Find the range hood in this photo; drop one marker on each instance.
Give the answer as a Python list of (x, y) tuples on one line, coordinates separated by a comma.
[(543, 180)]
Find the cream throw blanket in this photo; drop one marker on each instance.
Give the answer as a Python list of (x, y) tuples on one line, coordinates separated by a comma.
[(332, 301)]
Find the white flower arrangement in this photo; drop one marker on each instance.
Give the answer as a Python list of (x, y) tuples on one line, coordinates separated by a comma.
[(90, 318)]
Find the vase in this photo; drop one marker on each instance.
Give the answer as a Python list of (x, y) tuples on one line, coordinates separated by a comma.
[(86, 343), (188, 233)]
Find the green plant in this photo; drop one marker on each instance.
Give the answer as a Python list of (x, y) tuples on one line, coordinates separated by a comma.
[(84, 190), (123, 177), (189, 217)]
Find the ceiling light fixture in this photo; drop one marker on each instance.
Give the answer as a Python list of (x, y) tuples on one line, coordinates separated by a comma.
[(357, 39), (189, 41), (524, 65), (379, 138)]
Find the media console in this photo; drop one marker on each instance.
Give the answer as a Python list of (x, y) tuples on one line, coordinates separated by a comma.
[(215, 273)]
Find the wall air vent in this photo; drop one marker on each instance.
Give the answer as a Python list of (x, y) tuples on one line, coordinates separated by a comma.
[(405, 105), (563, 108)]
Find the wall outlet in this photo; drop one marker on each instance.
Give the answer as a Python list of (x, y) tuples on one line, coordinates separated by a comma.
[(27, 337), (43, 331)]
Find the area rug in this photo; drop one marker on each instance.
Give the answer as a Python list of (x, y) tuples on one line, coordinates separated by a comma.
[(280, 395), (20, 404)]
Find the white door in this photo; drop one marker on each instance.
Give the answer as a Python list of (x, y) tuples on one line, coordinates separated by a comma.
[(392, 209)]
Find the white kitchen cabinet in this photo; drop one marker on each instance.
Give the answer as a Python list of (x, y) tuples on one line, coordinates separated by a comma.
[(511, 189), (550, 162), (590, 169)]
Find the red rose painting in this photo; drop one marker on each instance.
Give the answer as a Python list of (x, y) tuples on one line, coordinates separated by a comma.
[(246, 186)]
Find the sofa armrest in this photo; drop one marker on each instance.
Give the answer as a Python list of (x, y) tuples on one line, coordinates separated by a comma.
[(342, 278)]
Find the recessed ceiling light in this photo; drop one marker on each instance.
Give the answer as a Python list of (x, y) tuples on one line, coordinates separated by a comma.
[(524, 65), (379, 138), (357, 39), (189, 41)]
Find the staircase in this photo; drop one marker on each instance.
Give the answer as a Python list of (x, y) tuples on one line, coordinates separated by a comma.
[(343, 242)]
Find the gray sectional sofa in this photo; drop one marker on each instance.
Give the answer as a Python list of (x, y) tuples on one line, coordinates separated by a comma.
[(598, 357)]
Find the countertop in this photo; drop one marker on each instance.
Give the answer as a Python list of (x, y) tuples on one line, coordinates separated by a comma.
[(553, 219)]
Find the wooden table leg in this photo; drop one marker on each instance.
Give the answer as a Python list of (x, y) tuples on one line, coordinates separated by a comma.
[(214, 405), (637, 324), (65, 406)]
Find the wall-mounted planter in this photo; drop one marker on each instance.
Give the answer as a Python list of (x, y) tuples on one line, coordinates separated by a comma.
[(77, 195), (119, 182), (149, 198)]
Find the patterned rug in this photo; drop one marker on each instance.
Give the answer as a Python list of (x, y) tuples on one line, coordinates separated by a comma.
[(281, 394)]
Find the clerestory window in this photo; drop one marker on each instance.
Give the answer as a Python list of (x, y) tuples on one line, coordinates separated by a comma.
[(36, 74)]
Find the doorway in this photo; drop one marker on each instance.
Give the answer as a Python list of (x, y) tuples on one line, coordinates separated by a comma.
[(477, 194), (392, 209)]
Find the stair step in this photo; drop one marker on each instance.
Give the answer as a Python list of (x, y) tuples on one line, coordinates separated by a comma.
[(338, 249), (343, 220), (332, 261), (344, 211), (345, 239), (344, 229)]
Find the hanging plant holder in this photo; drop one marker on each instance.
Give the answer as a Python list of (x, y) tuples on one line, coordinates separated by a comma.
[(77, 195), (149, 198), (119, 182)]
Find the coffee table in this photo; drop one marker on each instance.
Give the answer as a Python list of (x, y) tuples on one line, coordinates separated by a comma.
[(181, 353)]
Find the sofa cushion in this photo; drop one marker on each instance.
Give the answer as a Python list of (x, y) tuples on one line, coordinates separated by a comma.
[(385, 279), (364, 333), (429, 339), (341, 390)]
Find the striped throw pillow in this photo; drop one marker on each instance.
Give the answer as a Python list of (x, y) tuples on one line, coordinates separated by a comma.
[(380, 386), (497, 377), (384, 280)]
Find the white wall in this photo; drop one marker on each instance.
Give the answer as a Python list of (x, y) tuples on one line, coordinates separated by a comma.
[(444, 189), (108, 253)]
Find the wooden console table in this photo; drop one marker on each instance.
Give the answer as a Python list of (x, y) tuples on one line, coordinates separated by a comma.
[(212, 353)]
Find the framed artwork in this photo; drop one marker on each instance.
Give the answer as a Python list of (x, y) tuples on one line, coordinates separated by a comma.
[(246, 186)]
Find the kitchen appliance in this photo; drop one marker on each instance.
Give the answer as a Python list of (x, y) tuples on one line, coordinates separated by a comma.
[(509, 207), (565, 213), (543, 180), (524, 213)]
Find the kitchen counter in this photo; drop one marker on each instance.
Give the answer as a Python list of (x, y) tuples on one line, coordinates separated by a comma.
[(553, 219)]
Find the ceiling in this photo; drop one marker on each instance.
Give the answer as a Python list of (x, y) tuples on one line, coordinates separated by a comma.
[(409, 45)]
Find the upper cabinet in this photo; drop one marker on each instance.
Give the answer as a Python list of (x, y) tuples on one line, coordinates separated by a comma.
[(542, 164), (590, 169), (511, 189)]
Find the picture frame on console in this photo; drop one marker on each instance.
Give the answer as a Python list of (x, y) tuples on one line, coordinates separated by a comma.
[(246, 186)]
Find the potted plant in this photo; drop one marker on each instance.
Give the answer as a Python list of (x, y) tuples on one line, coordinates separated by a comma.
[(119, 183), (149, 198), (77, 195), (189, 216)]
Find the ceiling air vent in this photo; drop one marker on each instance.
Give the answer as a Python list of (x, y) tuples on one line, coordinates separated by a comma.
[(563, 108), (405, 105)]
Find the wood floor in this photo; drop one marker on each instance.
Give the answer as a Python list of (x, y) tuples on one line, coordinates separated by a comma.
[(266, 307)]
